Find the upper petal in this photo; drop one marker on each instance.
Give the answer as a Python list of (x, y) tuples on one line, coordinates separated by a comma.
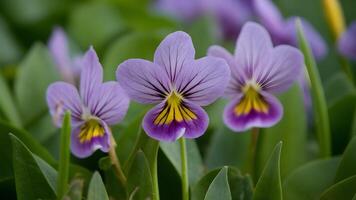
[(347, 42), (173, 52), (143, 81), (91, 77), (285, 67), (61, 97), (204, 80), (111, 103)]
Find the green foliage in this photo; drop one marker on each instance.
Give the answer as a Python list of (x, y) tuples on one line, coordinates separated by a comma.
[(96, 189), (219, 188)]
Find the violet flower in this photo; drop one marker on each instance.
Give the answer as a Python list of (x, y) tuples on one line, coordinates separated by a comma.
[(347, 42), (68, 67), (284, 31), (178, 84), (258, 70), (96, 106)]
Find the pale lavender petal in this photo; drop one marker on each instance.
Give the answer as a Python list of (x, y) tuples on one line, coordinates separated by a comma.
[(253, 119), (144, 81), (316, 41), (91, 78), (175, 51), (253, 50), (58, 47), (347, 42), (204, 80), (112, 104), (182, 9), (285, 67), (174, 130), (83, 150), (61, 97)]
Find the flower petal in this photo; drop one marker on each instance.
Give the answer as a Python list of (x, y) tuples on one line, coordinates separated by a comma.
[(285, 67), (253, 118), (204, 80), (111, 103), (173, 52), (144, 81), (347, 42), (91, 77), (61, 97), (194, 122), (85, 149)]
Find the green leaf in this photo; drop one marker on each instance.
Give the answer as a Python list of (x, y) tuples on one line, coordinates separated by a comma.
[(344, 189), (310, 180), (133, 45), (140, 183), (96, 189), (319, 102), (95, 23), (75, 191), (195, 163), (347, 166), (11, 50), (30, 182), (64, 156), (7, 105), (48, 172), (291, 130), (337, 87), (35, 73), (219, 188), (269, 184)]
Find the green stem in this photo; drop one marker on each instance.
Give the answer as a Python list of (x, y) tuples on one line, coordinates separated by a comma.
[(115, 162), (153, 168), (251, 156), (184, 160)]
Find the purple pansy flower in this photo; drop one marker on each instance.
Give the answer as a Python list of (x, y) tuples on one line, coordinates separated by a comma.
[(178, 84), (347, 42), (68, 67), (258, 70), (284, 31), (96, 106)]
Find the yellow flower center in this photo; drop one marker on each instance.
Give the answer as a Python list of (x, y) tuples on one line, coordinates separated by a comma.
[(251, 100), (174, 110), (91, 129)]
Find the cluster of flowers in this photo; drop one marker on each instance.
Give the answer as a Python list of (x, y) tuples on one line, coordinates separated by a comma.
[(178, 84)]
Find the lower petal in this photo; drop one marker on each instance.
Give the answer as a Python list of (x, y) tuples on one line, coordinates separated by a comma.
[(190, 122), (82, 146), (242, 122)]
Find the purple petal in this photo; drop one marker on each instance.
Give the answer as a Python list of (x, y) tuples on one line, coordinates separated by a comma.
[(58, 47), (347, 42), (316, 41), (111, 103), (204, 80), (61, 97), (175, 51), (285, 67), (144, 81), (85, 149), (253, 119), (171, 132), (182, 9), (91, 77)]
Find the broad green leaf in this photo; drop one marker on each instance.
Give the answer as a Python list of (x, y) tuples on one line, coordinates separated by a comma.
[(133, 45), (48, 172), (347, 166), (11, 50), (310, 180), (344, 189), (337, 87), (291, 130), (269, 184), (195, 163), (35, 73), (30, 182), (319, 102), (96, 189), (7, 105), (95, 23), (139, 182), (219, 188), (64, 157)]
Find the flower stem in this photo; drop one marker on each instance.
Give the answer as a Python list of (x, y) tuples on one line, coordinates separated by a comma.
[(251, 156), (115, 162), (184, 160), (153, 167)]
